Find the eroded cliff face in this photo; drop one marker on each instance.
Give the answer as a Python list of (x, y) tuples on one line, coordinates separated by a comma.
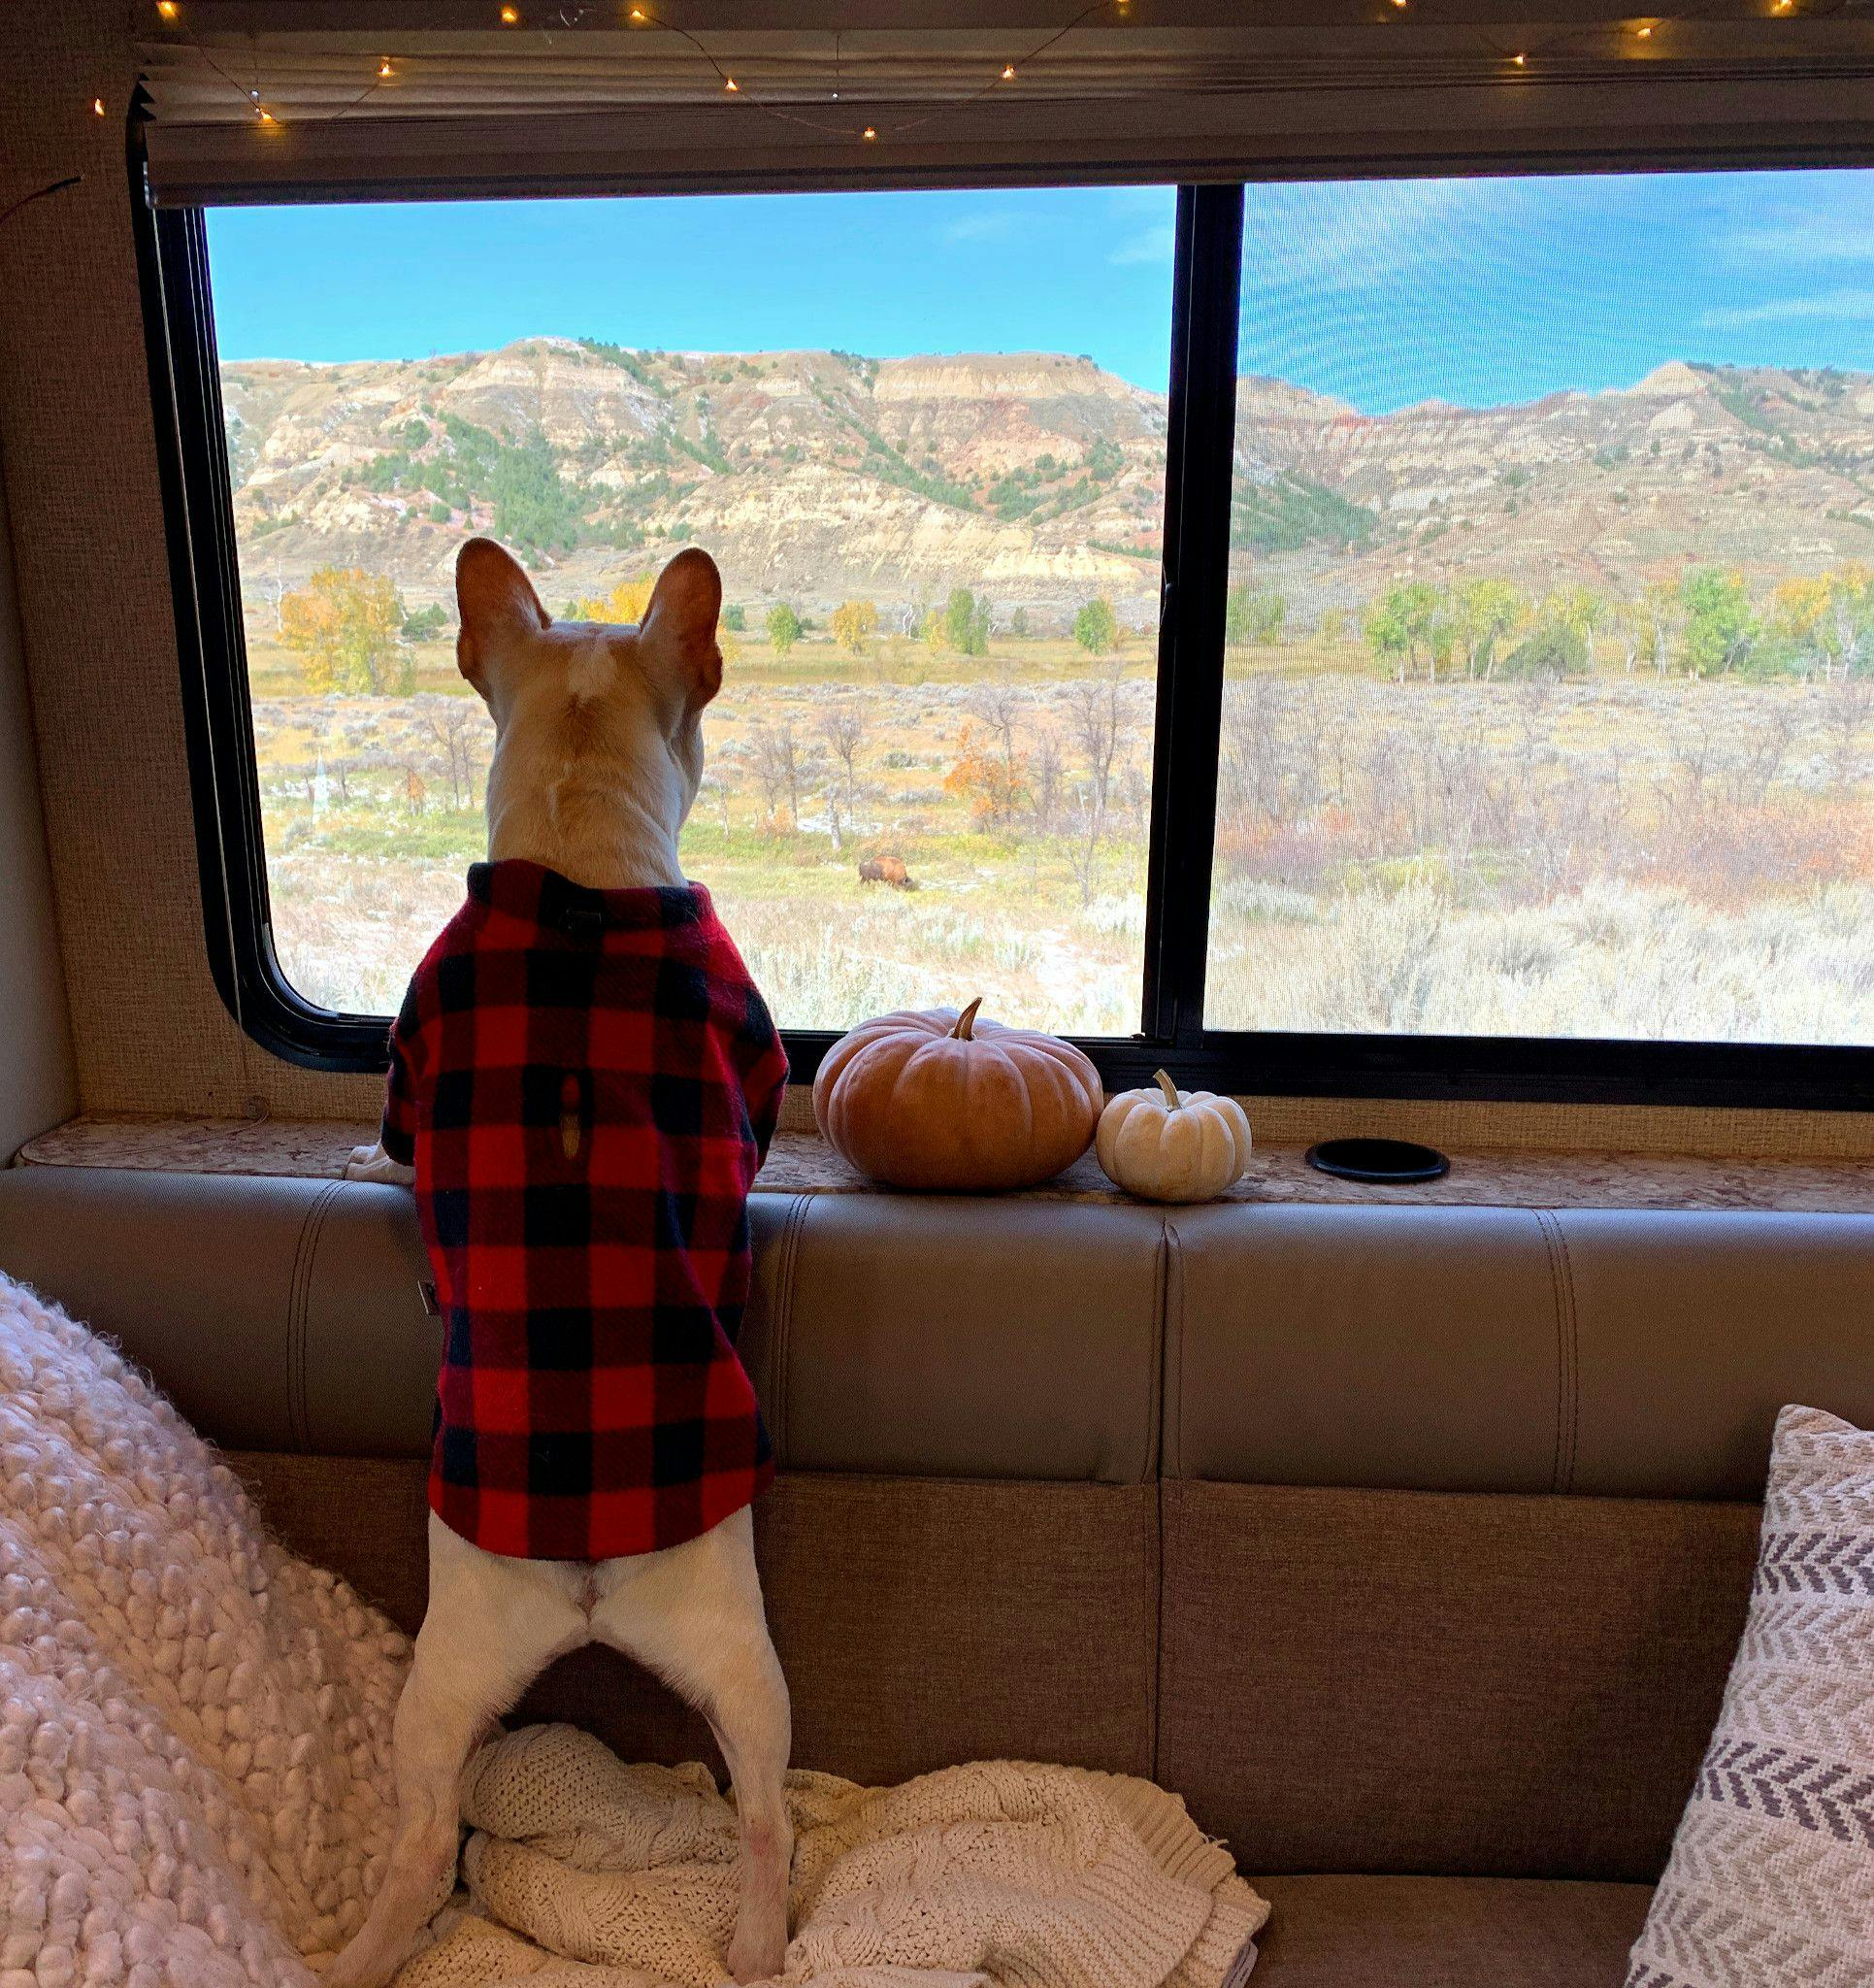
[(810, 475), (1032, 475), (1758, 468)]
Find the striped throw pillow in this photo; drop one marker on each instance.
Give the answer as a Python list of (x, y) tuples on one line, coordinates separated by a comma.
[(1771, 1880)]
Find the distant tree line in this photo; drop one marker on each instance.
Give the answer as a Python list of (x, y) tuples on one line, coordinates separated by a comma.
[(354, 635), (1705, 623)]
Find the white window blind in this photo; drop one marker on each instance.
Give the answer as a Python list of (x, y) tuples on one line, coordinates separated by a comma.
[(578, 98)]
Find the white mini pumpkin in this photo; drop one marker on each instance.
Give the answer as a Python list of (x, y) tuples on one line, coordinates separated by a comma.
[(1163, 1144)]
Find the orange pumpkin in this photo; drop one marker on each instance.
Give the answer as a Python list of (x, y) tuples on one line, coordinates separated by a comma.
[(943, 1100)]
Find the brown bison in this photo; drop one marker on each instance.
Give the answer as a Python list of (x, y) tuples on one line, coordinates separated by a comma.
[(887, 870)]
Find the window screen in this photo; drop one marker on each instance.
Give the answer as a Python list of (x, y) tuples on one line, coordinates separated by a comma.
[(1549, 681)]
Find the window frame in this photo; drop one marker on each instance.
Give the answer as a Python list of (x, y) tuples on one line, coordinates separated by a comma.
[(1205, 304)]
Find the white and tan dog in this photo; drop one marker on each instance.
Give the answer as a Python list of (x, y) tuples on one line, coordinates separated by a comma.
[(598, 754)]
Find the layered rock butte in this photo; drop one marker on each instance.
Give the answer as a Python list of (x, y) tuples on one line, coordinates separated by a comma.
[(1033, 478)]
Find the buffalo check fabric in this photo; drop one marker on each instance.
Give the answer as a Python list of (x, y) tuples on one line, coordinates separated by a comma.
[(586, 1082), (1771, 1880)]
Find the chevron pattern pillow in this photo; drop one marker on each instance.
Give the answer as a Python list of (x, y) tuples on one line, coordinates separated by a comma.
[(1771, 1881)]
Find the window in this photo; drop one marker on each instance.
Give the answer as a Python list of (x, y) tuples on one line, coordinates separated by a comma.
[(1549, 678), (1507, 731), (936, 512)]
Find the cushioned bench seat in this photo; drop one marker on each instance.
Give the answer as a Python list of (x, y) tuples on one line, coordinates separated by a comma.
[(1410, 1542), (1447, 1932)]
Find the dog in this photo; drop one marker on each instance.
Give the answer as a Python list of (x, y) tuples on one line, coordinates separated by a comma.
[(598, 755)]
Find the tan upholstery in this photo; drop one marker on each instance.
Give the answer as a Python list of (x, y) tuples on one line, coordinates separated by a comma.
[(928, 1342), (1691, 1336), (1345, 1357), (288, 1314), (1508, 1349), (278, 1314), (1444, 1683), (1446, 1932), (907, 1646), (1400, 1541)]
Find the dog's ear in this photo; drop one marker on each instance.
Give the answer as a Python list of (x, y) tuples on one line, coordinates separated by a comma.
[(678, 633), (495, 599)]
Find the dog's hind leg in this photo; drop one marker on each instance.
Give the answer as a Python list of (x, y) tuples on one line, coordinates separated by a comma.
[(492, 1625), (693, 1616)]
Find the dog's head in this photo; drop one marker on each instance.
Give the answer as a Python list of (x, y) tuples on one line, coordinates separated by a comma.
[(598, 733)]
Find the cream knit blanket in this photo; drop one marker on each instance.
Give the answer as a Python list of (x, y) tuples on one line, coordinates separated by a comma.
[(585, 1873), (195, 1787)]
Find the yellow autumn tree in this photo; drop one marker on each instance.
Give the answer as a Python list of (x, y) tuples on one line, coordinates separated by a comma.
[(853, 625), (342, 624), (629, 601), (1799, 605), (626, 602)]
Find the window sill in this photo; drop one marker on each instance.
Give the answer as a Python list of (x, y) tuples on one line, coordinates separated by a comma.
[(801, 1162)]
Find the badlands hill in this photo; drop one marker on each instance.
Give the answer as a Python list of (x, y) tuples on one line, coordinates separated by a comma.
[(1034, 477)]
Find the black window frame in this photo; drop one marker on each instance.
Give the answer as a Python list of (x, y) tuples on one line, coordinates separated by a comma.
[(1206, 270)]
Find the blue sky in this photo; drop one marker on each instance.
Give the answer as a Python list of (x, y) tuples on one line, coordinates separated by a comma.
[(884, 274), (1476, 291), (1490, 291)]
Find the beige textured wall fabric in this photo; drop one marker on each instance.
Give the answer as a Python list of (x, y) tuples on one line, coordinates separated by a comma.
[(150, 1031), (38, 1078), (151, 1034)]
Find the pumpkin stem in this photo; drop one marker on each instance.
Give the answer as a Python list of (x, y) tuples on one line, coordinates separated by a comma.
[(966, 1021), (1170, 1089)]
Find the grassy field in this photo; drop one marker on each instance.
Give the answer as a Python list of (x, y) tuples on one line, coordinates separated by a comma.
[(1029, 885), (1607, 855)]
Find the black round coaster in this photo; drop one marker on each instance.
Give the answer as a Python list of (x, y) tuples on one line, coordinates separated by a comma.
[(1390, 1161)]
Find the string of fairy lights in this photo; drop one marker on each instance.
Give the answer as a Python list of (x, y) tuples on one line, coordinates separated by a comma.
[(1501, 62)]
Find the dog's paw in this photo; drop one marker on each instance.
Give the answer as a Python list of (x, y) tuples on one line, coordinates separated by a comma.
[(372, 1163)]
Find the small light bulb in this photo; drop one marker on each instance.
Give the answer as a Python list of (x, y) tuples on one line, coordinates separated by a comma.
[(1521, 61), (509, 16), (730, 84), (1400, 4), (870, 133), (1008, 72), (639, 14), (97, 106), (383, 67), (1645, 33), (167, 9), (266, 116)]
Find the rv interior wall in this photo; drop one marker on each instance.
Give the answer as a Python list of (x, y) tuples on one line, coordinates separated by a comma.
[(150, 1030), (38, 1083)]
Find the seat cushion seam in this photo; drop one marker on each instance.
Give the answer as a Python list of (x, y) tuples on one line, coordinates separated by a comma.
[(1574, 1352), (1566, 1379), (784, 1327), (299, 1314), (1155, 1619), (1155, 1357), (1171, 1358)]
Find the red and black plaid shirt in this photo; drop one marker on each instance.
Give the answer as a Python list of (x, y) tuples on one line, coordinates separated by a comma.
[(586, 1082)]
